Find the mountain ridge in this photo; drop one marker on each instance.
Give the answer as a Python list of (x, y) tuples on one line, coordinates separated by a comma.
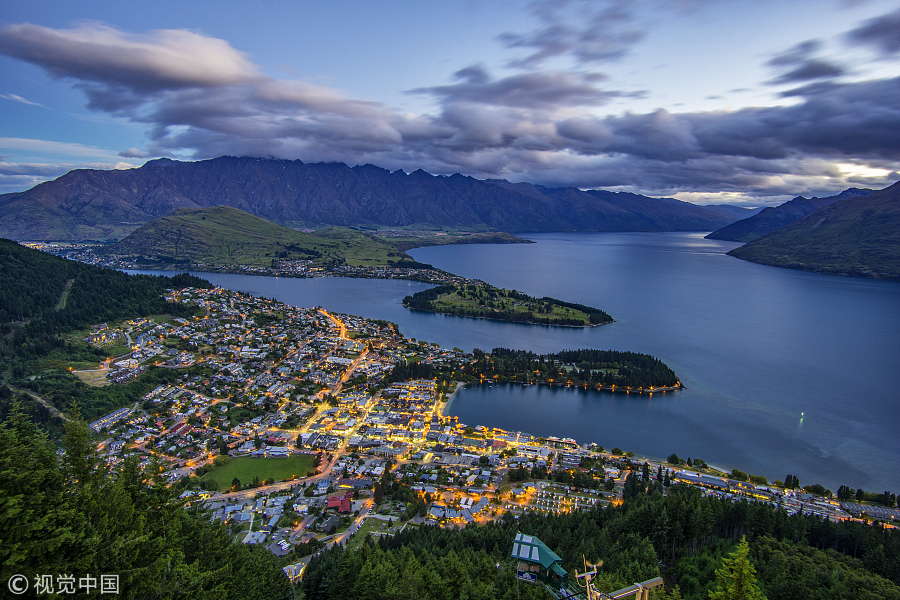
[(774, 218), (857, 236), (102, 205)]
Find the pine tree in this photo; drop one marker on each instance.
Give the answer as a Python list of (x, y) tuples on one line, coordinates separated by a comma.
[(736, 579)]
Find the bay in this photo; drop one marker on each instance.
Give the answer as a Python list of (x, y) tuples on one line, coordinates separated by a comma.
[(755, 346)]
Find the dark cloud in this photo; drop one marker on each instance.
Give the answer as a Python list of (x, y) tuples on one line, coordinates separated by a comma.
[(133, 153), (802, 66), (809, 70), (749, 147), (796, 54), (526, 90), (589, 31), (883, 33)]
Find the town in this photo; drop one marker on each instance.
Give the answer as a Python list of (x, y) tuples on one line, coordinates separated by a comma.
[(288, 425), (85, 253)]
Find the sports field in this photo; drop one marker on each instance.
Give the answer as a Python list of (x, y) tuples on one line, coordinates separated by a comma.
[(245, 468)]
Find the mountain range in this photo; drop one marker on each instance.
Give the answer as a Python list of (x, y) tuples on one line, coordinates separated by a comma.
[(858, 235), (108, 205), (775, 217)]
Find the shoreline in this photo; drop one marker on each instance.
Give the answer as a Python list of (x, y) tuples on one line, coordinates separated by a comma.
[(447, 314), (598, 388), (460, 385), (442, 413)]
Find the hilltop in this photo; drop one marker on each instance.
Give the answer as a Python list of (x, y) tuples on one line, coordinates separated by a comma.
[(774, 218), (225, 236), (108, 205), (857, 236)]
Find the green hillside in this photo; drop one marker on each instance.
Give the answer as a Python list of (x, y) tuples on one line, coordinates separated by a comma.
[(856, 236), (43, 300), (51, 295), (225, 236)]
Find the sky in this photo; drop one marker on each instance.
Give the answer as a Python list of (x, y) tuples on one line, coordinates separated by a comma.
[(709, 101)]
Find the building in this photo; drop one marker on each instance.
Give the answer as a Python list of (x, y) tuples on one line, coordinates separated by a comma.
[(538, 563)]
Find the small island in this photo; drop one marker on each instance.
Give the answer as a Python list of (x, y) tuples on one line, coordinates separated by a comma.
[(485, 301)]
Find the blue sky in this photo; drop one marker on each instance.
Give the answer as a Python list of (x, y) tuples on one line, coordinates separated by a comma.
[(702, 100)]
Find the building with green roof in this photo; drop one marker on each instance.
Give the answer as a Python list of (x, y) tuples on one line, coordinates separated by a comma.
[(538, 563)]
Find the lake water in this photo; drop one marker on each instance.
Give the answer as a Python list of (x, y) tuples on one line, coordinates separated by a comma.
[(755, 346)]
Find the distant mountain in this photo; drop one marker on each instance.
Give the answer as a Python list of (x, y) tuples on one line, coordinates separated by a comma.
[(774, 218), (101, 205), (733, 211), (857, 236), (225, 236)]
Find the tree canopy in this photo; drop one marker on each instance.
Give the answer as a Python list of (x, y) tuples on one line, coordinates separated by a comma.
[(70, 516)]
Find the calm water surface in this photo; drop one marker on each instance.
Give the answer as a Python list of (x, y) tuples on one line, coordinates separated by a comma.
[(754, 345)]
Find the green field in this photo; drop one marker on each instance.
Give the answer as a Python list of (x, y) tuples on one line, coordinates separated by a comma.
[(246, 467)]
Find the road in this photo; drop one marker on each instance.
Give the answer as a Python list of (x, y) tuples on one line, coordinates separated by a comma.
[(38, 398), (276, 487), (342, 331), (297, 532), (357, 523)]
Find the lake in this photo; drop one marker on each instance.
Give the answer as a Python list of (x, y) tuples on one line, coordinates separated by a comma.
[(755, 346)]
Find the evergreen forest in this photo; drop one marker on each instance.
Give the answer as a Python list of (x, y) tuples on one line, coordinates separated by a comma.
[(682, 536), (585, 367), (69, 515)]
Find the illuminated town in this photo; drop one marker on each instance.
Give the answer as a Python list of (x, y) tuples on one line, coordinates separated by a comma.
[(288, 426)]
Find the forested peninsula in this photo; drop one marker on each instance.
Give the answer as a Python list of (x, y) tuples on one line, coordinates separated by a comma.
[(489, 302), (601, 369)]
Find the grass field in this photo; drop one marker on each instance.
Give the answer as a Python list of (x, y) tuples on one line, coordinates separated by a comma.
[(93, 378), (114, 350), (246, 467)]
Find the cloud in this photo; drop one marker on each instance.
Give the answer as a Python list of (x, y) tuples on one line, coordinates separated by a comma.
[(548, 89), (164, 59), (133, 153), (51, 147), (538, 126), (16, 98), (808, 70), (35, 169), (883, 33), (589, 31), (802, 65)]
